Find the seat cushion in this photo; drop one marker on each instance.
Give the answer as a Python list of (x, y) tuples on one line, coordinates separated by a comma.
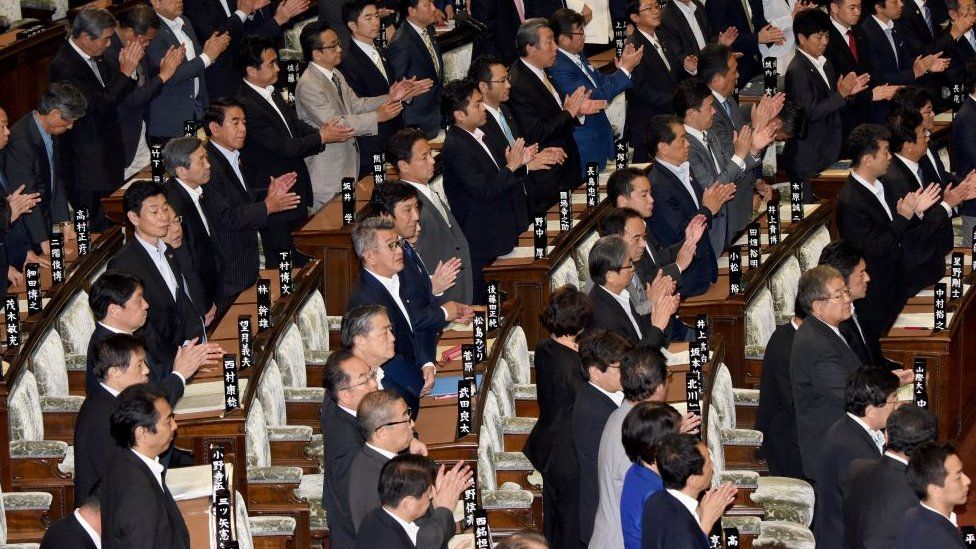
[(775, 533)]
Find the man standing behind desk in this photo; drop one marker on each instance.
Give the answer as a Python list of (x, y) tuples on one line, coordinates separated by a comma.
[(92, 166), (279, 143), (414, 53)]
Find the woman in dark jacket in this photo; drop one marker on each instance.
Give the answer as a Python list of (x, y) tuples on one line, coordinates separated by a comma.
[(559, 375)]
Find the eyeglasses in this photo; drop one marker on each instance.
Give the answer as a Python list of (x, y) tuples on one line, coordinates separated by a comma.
[(653, 7), (393, 245), (393, 423), (370, 377), (329, 47), (502, 81), (846, 292), (575, 34), (625, 267)]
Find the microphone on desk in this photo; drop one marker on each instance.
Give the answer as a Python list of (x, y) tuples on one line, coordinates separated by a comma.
[(464, 18)]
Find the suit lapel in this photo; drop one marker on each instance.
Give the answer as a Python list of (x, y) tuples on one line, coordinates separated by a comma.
[(228, 172), (263, 104), (391, 303), (363, 60), (611, 301)]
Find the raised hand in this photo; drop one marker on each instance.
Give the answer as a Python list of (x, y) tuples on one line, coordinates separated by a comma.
[(450, 484), (574, 101), (691, 64), (279, 198), (906, 205), (630, 57), (718, 194), (515, 155), (216, 44), (289, 9), (662, 285), (21, 203), (802, 5), (742, 141), (173, 58), (14, 277), (771, 35), (690, 423), (768, 109), (927, 197), (728, 36), (762, 138), (130, 56), (714, 503), (192, 356), (663, 309), (335, 131), (883, 92), (389, 111), (445, 275)]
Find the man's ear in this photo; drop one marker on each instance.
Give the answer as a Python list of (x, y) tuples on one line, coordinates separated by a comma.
[(132, 216)]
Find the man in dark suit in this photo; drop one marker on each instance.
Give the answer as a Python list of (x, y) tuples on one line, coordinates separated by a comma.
[(923, 24), (544, 118), (137, 508), (685, 28), (877, 492), (237, 18), (34, 161), (368, 73), (680, 199), (278, 143), (116, 300), (572, 70), (405, 486), (140, 26), (776, 417), (173, 318), (870, 398), (936, 474), (878, 225), (399, 202), (600, 353), (347, 380), (81, 529), (918, 99), (414, 52), (963, 49), (813, 83), (849, 261), (820, 362), (184, 96), (612, 270), (412, 371), (752, 28), (673, 517), (186, 159), (503, 18), (120, 362), (14, 243), (384, 415), (485, 186), (654, 78), (441, 244), (92, 167), (231, 207), (963, 150)]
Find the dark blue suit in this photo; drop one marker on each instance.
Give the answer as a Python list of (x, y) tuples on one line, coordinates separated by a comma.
[(409, 57), (427, 315), (669, 524), (885, 67), (403, 372), (963, 148), (673, 210), (923, 528), (723, 15), (594, 138)]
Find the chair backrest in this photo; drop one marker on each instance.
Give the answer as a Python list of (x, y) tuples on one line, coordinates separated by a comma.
[(564, 273), (784, 283), (26, 419), (760, 322), (242, 524), (516, 353), (313, 322), (501, 388), (809, 252), (49, 365), (486, 462), (582, 255), (713, 439), (292, 41), (256, 437), (491, 422), (271, 394), (76, 324), (723, 398), (290, 355)]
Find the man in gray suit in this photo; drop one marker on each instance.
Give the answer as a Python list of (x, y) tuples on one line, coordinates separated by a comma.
[(384, 420), (323, 95), (184, 96), (712, 162), (718, 68), (440, 238), (820, 361)]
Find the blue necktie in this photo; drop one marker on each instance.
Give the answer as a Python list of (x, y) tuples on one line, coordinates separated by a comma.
[(727, 105), (410, 254), (505, 128)]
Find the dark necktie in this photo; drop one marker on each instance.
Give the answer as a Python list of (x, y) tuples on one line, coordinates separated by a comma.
[(411, 255), (342, 101), (921, 175), (852, 44)]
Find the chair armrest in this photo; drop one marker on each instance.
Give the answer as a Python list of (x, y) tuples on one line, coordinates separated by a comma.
[(304, 394), (524, 391), (506, 499), (272, 525), (746, 397), (27, 501), (76, 363), (316, 357), (290, 433), (512, 461), (69, 404), (741, 478), (38, 449), (742, 437), (518, 425), (274, 475)]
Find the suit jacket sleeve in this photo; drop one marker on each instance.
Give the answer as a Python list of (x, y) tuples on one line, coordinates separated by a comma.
[(142, 95), (316, 108), (21, 171), (800, 88), (261, 128), (173, 385), (100, 99), (142, 511), (435, 528), (876, 240), (188, 69), (226, 217), (482, 186), (534, 125)]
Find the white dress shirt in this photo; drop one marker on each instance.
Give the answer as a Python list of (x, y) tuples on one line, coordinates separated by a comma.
[(652, 38), (689, 502), (434, 198), (896, 457), (410, 527), (110, 390), (266, 94), (195, 195), (624, 300), (877, 189), (234, 159), (240, 14), (688, 9), (951, 518), (617, 396), (370, 51), (382, 452), (479, 136), (157, 253), (834, 329), (154, 465), (392, 285), (700, 136), (841, 28), (818, 63), (876, 435), (176, 25), (683, 173), (95, 536)]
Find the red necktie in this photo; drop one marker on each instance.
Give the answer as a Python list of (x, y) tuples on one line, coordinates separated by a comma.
[(852, 45)]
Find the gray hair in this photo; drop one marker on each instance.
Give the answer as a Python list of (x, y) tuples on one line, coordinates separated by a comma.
[(93, 22), (608, 254), (528, 34), (813, 285), (364, 235), (64, 98), (176, 153), (376, 410), (356, 322)]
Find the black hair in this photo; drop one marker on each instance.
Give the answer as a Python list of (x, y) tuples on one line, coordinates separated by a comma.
[(112, 288), (869, 386), (387, 196), (135, 407), (608, 255), (660, 130), (456, 97), (810, 22), (334, 378), (568, 311), (405, 5), (713, 60), (842, 255), (311, 38), (690, 94), (480, 69), (927, 466), (141, 19), (138, 192), (406, 475), (645, 426), (250, 52), (909, 427), (216, 112), (563, 20), (400, 145), (678, 459), (864, 140), (356, 322), (621, 181), (352, 10), (911, 97), (600, 348), (115, 351), (615, 221), (902, 125), (642, 371)]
